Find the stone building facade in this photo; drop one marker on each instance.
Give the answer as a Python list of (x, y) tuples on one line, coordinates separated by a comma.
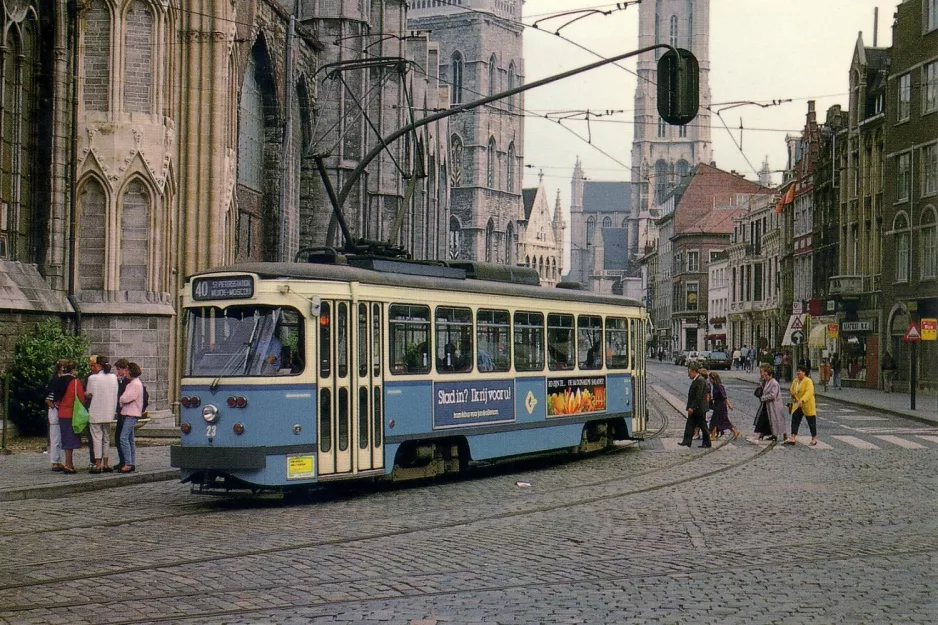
[(910, 209), (481, 54), (663, 155), (157, 141), (540, 236)]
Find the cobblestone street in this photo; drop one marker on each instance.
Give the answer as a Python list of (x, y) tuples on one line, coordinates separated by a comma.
[(652, 533)]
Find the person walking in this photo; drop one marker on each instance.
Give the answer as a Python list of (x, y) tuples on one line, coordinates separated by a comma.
[(835, 371), (102, 389), (696, 408), (777, 362), (736, 357), (889, 372), (772, 400), (802, 406), (131, 403), (68, 388), (56, 453), (720, 419)]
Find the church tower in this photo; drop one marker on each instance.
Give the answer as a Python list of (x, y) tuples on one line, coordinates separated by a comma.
[(663, 155)]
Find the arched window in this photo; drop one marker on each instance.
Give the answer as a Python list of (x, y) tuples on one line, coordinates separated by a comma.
[(607, 222), (493, 75), (21, 234), (455, 165), (590, 230), (455, 238), (92, 234), (138, 57), (674, 41), (135, 212), (662, 128), (903, 246), (929, 244), (661, 181), (96, 44), (511, 85), (490, 242), (456, 82), (510, 169), (682, 170), (510, 245), (490, 164)]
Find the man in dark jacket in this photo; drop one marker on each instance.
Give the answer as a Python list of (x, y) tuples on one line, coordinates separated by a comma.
[(697, 407)]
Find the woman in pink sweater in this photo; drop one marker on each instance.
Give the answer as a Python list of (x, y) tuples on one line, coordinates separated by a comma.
[(131, 408)]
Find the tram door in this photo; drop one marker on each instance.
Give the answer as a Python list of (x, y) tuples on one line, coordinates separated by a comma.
[(346, 402)]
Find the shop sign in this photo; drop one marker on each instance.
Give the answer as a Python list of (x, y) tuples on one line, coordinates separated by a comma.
[(797, 308), (856, 326), (929, 329), (833, 331)]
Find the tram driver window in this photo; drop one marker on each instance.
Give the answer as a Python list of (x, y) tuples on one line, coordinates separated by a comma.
[(409, 336), (529, 341), (617, 343), (561, 352), (589, 342), (453, 339)]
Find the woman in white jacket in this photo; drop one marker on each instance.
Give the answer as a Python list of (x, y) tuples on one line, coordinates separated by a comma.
[(102, 389)]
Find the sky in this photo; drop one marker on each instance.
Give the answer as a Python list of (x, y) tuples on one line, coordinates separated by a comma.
[(760, 50)]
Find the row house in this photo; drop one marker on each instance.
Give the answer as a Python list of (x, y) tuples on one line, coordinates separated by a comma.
[(753, 264), (718, 301), (910, 211), (702, 226)]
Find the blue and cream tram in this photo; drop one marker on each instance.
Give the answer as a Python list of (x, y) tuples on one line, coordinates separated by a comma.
[(360, 367)]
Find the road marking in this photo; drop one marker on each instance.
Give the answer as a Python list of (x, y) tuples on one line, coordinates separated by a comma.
[(862, 418), (820, 444), (901, 442), (859, 443), (880, 430), (930, 439)]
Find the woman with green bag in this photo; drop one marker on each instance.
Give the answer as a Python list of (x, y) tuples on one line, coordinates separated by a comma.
[(69, 392)]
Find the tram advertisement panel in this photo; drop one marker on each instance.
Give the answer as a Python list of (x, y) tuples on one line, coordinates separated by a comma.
[(570, 396), (473, 402)]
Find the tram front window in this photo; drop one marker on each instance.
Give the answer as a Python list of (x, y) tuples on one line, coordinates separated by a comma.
[(244, 341)]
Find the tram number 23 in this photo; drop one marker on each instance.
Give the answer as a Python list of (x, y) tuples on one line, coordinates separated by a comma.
[(210, 431)]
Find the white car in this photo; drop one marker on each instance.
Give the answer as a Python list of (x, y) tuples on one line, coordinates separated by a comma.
[(692, 357)]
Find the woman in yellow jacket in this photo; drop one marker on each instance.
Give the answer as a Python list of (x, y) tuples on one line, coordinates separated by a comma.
[(802, 405)]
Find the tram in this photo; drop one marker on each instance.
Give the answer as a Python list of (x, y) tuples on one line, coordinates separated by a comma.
[(359, 367)]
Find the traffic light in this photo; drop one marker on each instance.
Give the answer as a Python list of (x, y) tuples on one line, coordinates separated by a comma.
[(678, 86)]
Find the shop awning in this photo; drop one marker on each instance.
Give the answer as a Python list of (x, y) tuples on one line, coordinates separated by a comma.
[(818, 336)]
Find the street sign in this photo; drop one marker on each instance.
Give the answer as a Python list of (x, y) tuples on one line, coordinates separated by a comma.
[(796, 308), (795, 326), (912, 335), (929, 329), (856, 326), (797, 337)]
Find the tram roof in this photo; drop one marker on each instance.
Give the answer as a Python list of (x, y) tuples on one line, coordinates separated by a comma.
[(347, 273)]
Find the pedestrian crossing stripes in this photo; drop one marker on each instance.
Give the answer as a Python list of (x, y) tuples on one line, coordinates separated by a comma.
[(882, 441)]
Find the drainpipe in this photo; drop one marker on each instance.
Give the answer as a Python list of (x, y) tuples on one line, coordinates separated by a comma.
[(73, 170), (286, 169)]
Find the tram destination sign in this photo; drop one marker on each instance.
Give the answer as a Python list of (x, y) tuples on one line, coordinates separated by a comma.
[(222, 287)]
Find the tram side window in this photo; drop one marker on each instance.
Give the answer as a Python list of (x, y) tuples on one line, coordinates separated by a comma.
[(617, 343), (529, 341), (453, 339), (244, 341), (589, 341), (409, 336), (561, 352), (494, 340), (325, 340)]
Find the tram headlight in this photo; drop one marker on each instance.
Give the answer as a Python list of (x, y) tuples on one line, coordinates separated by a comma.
[(210, 413)]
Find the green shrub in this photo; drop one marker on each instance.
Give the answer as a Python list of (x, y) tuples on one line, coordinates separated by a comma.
[(32, 367)]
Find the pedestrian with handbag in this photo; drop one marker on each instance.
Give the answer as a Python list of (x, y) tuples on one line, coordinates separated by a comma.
[(772, 400), (68, 388), (803, 405), (720, 419)]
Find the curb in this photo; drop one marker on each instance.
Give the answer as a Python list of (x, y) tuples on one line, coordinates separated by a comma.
[(61, 490)]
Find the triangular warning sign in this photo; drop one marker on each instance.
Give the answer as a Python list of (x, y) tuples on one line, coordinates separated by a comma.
[(797, 324), (912, 334)]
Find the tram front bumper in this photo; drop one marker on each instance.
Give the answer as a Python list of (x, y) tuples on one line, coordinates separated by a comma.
[(218, 458)]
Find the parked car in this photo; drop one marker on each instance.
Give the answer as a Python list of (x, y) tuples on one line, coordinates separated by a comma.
[(703, 359), (692, 357), (719, 360), (680, 358)]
